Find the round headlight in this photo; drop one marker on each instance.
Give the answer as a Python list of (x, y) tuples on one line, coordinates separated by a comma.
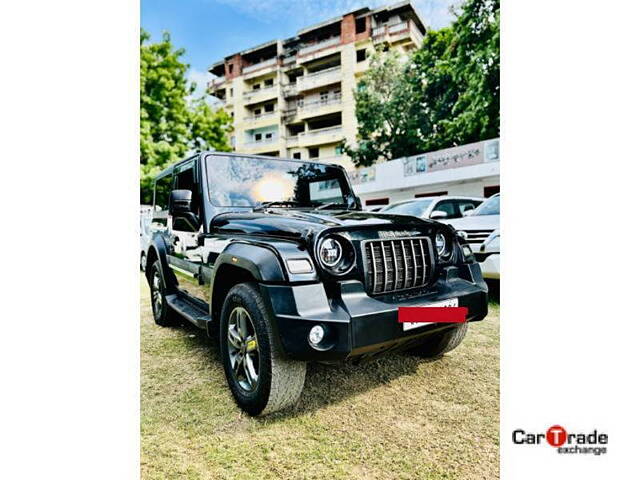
[(330, 252), (335, 254), (441, 244)]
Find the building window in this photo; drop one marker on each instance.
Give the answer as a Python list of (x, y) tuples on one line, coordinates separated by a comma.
[(337, 94), (258, 137), (231, 93), (268, 136), (432, 194), (297, 155), (269, 107), (361, 55), (339, 150), (256, 86), (230, 68), (361, 25), (314, 152), (268, 82), (491, 190), (257, 112), (324, 96)]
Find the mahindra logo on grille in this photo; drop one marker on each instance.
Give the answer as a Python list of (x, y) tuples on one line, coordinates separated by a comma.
[(398, 234)]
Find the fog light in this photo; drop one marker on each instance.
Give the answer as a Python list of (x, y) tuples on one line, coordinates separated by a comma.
[(316, 334)]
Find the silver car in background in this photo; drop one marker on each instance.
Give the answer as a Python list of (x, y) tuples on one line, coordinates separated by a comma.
[(443, 208), (481, 230)]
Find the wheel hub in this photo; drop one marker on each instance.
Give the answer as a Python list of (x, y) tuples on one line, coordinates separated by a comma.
[(243, 349)]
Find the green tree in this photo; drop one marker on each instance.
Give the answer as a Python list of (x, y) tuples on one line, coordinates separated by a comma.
[(171, 126), (475, 65), (435, 89), (386, 111), (447, 95)]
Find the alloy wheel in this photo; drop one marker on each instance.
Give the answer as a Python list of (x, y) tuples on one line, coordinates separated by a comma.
[(156, 294), (244, 353)]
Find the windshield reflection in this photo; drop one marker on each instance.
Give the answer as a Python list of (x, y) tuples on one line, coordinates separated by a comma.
[(236, 181)]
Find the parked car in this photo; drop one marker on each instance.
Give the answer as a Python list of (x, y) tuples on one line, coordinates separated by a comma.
[(481, 231), (443, 208), (277, 261)]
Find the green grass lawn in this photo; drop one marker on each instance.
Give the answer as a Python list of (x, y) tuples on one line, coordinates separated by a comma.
[(395, 418)]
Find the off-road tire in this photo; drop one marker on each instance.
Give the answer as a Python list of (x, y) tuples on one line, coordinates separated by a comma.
[(280, 380), (441, 343), (163, 314)]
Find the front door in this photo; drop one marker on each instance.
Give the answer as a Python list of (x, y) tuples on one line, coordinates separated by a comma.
[(186, 256)]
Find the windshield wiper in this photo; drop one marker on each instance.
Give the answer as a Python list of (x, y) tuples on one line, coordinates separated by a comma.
[(277, 203), (332, 204)]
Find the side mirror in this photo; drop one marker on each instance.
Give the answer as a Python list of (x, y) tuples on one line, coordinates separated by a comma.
[(179, 202), (466, 213), (438, 214), (180, 209)]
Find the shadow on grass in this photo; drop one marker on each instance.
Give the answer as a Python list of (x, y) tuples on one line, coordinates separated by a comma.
[(494, 290), (324, 384)]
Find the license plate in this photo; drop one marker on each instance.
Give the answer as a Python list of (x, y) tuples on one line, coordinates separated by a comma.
[(451, 302)]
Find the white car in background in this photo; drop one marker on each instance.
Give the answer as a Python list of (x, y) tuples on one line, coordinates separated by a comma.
[(145, 234), (444, 208), (480, 228)]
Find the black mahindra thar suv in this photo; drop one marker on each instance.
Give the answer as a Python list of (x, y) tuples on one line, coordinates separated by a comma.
[(278, 262)]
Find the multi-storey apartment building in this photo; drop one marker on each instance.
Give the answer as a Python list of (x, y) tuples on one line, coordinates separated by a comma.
[(294, 97)]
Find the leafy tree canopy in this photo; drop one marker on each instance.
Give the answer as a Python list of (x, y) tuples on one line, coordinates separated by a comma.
[(386, 111), (447, 94), (172, 126)]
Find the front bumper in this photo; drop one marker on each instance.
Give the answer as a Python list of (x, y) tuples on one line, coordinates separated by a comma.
[(358, 325)]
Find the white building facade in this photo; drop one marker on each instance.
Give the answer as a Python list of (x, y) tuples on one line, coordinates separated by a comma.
[(470, 170)]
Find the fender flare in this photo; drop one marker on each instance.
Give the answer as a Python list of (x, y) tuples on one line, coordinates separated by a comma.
[(253, 261), (262, 262), (159, 248)]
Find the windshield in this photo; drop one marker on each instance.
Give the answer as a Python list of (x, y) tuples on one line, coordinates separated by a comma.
[(490, 206), (248, 182), (416, 208)]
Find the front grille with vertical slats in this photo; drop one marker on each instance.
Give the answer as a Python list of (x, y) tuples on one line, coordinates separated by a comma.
[(399, 264)]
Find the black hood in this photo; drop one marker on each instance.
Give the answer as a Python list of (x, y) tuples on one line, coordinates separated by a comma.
[(302, 224)]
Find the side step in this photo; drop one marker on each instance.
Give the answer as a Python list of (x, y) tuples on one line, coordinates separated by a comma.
[(194, 314)]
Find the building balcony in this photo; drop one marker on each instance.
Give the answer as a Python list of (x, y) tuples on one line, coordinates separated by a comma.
[(320, 107), (259, 146), (397, 32), (260, 68), (215, 84), (290, 90), (320, 49), (292, 141), (320, 136), (260, 95), (319, 79), (262, 120)]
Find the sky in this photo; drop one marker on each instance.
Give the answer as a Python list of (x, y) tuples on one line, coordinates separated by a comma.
[(209, 30)]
